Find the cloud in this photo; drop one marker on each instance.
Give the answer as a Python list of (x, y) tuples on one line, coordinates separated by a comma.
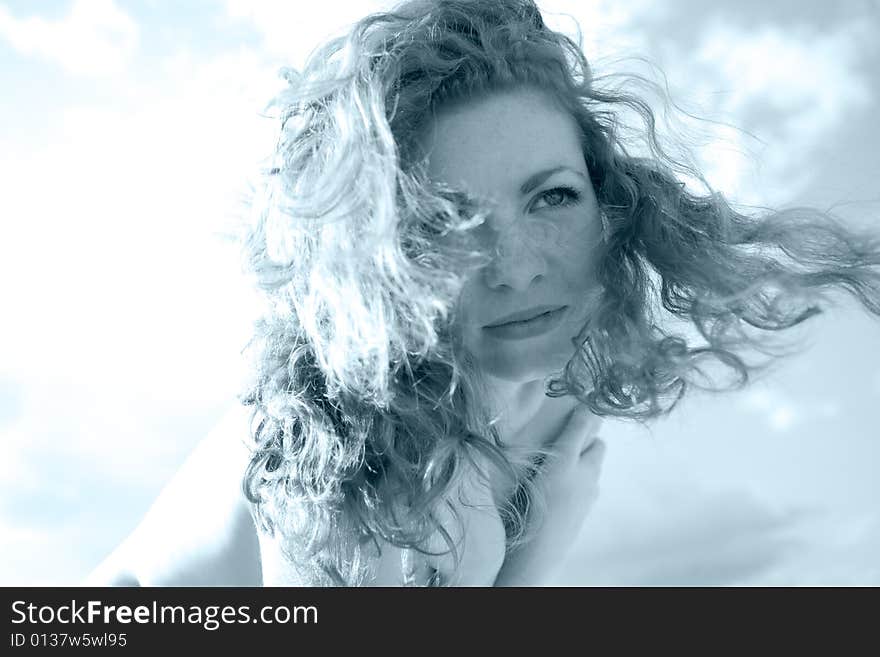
[(118, 206), (79, 468), (605, 26), (130, 314), (792, 88), (10, 401), (780, 69), (665, 533), (677, 535), (842, 551), (291, 30), (781, 413), (682, 507), (792, 79), (60, 554), (95, 38)]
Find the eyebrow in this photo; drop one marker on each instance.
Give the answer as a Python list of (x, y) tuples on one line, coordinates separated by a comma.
[(538, 178)]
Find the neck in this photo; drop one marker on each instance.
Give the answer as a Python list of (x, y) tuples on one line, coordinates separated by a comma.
[(515, 403), (526, 416)]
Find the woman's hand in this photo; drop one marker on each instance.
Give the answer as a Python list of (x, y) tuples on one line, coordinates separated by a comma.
[(569, 480)]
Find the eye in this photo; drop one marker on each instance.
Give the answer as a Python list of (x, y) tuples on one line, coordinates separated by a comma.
[(556, 197)]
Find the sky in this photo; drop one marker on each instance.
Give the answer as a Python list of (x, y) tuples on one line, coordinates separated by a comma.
[(128, 134)]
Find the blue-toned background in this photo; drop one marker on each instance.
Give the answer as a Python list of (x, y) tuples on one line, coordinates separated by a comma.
[(127, 133)]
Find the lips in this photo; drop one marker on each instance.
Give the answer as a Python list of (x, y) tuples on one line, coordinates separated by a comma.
[(523, 315)]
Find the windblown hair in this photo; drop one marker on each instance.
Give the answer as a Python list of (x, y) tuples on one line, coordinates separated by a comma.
[(367, 411)]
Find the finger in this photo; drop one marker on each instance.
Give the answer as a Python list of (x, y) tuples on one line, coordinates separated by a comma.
[(589, 470), (581, 424), (592, 431), (593, 454), (591, 442)]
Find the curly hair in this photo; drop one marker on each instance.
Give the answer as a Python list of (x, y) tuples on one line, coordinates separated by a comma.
[(366, 410)]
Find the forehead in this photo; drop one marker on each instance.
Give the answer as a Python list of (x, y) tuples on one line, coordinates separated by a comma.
[(493, 144)]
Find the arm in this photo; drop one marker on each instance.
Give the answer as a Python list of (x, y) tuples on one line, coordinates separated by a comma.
[(199, 531)]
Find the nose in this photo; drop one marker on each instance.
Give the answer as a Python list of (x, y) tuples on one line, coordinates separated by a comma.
[(517, 261)]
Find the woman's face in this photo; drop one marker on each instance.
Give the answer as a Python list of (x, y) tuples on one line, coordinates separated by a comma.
[(520, 155)]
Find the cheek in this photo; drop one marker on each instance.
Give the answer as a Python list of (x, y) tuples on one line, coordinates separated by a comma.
[(469, 300), (576, 253), (467, 324)]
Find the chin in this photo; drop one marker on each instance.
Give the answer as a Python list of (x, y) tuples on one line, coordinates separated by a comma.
[(521, 368)]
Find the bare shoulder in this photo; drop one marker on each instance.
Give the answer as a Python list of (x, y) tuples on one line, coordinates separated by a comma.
[(199, 531)]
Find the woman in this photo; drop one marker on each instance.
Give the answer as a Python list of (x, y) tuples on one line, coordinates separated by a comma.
[(464, 270)]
